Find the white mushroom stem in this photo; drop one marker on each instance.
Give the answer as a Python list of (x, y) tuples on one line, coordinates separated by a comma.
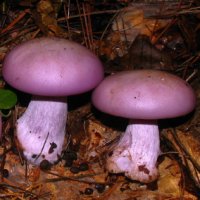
[(137, 151), (41, 129)]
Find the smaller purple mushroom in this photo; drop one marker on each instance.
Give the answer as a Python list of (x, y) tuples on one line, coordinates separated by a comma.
[(143, 96), (50, 69)]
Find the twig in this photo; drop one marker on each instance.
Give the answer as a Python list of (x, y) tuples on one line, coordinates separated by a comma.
[(15, 21), (67, 16), (78, 178), (197, 166), (42, 147)]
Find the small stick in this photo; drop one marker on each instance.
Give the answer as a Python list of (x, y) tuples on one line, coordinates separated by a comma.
[(15, 21)]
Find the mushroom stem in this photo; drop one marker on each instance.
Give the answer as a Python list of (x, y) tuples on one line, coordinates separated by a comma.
[(41, 129), (137, 151)]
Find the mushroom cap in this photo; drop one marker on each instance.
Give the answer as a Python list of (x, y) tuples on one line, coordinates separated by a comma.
[(144, 94), (52, 67)]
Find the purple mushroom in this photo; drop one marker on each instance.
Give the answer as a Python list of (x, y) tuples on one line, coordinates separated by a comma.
[(143, 96), (50, 69)]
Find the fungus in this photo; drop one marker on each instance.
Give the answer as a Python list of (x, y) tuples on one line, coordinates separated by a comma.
[(143, 96), (50, 69)]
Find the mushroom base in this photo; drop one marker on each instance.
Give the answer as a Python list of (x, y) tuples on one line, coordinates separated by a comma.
[(41, 129), (137, 151)]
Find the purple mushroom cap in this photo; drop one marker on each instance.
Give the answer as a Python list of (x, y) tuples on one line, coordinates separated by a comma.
[(52, 67), (144, 94)]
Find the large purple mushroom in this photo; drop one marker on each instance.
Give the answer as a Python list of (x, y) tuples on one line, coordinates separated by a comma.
[(50, 69), (143, 96)]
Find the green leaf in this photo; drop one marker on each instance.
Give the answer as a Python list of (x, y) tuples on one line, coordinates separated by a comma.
[(7, 99)]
